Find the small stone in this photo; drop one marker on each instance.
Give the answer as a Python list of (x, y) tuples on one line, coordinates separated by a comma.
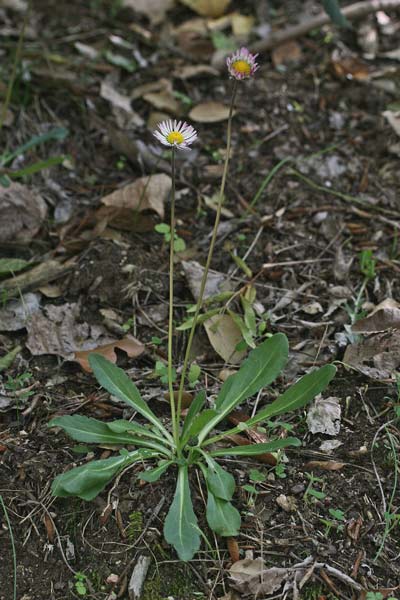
[(298, 488), (287, 503)]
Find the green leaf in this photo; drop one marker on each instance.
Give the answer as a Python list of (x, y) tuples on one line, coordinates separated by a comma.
[(123, 426), (37, 166), (332, 8), (220, 482), (222, 516), (198, 423), (88, 480), (153, 475), (115, 381), (179, 244), (299, 394), (194, 373), (58, 133), (180, 528), (188, 324), (119, 60), (255, 449), (249, 315), (92, 431), (7, 360), (12, 265), (261, 368), (244, 330), (162, 228), (194, 409)]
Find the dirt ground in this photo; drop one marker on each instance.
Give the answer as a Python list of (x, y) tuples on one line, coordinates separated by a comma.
[(315, 112)]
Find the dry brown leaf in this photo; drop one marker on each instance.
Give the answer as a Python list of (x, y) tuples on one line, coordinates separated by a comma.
[(209, 112), (377, 356), (155, 10), (224, 336), (350, 67), (146, 193), (192, 71), (286, 53), (215, 284), (164, 100), (128, 344), (22, 213), (325, 465), (393, 118), (380, 320), (9, 116), (250, 577), (118, 100), (58, 330), (233, 548), (50, 529), (242, 25), (16, 313), (323, 416), (207, 8)]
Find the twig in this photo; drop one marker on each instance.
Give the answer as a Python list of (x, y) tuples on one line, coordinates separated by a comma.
[(352, 12)]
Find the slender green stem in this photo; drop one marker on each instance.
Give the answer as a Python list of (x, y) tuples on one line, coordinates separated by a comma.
[(17, 59), (174, 413), (14, 554), (210, 252)]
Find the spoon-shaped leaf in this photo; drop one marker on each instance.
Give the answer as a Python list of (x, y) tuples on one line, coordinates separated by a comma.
[(255, 449), (92, 431), (261, 368), (222, 516), (115, 381), (180, 527), (88, 480)]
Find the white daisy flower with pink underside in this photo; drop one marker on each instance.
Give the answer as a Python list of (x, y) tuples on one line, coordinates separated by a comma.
[(242, 64), (177, 134)]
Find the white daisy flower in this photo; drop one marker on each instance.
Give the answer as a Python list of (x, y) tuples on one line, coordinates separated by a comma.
[(176, 134), (242, 64)]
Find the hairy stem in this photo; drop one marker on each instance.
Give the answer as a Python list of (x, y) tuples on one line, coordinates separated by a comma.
[(174, 413), (210, 252)]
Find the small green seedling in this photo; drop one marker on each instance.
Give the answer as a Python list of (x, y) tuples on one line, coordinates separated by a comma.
[(194, 375), (17, 383), (255, 476), (311, 491), (336, 522), (79, 584), (161, 370), (165, 230)]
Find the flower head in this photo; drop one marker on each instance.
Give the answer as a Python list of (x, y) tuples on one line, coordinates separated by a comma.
[(176, 134), (242, 64)]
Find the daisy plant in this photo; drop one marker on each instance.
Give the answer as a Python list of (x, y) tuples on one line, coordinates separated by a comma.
[(195, 441)]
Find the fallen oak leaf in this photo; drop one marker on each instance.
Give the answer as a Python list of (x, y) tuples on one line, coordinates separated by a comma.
[(128, 344)]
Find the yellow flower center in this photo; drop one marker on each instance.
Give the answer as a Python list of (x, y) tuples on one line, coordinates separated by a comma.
[(241, 66), (175, 137)]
